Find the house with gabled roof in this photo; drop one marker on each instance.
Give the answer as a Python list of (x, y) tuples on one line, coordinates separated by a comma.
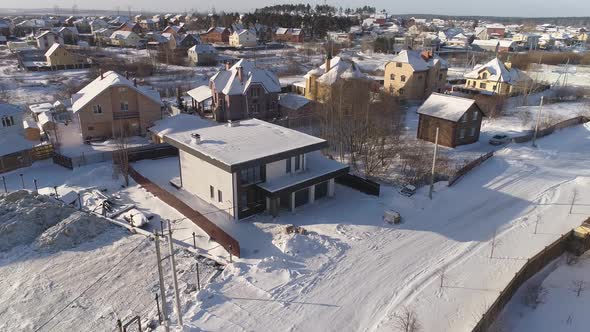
[(290, 35), (125, 39), (48, 38), (320, 82), (113, 104), (59, 57), (497, 77), (415, 75), (216, 35), (458, 120), (253, 166), (244, 91), (243, 38)]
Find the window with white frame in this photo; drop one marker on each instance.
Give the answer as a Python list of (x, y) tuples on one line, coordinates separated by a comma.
[(97, 109), (464, 118), (7, 121), (475, 115), (472, 131), (462, 133), (124, 106)]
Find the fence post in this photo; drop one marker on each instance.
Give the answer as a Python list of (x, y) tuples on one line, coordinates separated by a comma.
[(4, 182), (198, 278), (36, 189), (22, 180), (194, 241), (158, 308), (120, 325)]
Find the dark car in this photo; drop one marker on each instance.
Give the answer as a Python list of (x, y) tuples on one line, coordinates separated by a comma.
[(499, 140)]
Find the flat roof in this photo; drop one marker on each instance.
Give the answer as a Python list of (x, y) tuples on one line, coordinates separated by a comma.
[(243, 145)]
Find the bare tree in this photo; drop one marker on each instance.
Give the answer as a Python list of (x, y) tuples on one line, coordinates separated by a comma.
[(578, 286), (121, 155), (407, 320)]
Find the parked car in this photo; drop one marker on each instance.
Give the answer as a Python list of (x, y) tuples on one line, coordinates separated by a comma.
[(408, 190), (499, 140)]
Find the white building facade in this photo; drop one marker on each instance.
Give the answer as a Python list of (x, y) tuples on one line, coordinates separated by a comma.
[(254, 166)]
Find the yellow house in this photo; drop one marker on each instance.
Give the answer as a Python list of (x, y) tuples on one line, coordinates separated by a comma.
[(125, 39), (243, 38), (497, 77), (320, 81), (59, 57), (414, 75)]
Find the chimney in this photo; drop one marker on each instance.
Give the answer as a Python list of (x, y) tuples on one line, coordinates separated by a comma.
[(233, 124), (328, 61), (101, 74), (135, 82), (195, 138), (227, 66), (241, 74)]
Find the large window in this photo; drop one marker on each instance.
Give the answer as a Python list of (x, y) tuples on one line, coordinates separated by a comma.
[(219, 196), (403, 78), (392, 77), (288, 165), (462, 133), (7, 121), (482, 85), (472, 131), (398, 64), (475, 115), (97, 109), (251, 175), (212, 191), (299, 160)]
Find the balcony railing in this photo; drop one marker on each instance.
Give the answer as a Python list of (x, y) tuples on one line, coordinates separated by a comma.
[(125, 115)]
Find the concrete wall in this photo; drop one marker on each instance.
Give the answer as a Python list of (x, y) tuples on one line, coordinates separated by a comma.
[(198, 175)]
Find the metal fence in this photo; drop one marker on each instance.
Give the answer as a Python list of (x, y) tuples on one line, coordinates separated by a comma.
[(530, 268), (361, 184)]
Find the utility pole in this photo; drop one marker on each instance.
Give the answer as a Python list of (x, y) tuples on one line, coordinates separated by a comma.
[(161, 276), (537, 123), (433, 165), (174, 279)]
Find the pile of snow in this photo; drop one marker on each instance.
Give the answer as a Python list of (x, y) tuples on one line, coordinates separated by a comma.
[(27, 218)]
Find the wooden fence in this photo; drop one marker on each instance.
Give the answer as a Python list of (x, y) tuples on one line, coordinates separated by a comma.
[(25, 158), (363, 185), (530, 268), (549, 130), (470, 166), (215, 232)]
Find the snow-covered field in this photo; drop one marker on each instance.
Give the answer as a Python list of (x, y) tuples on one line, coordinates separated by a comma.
[(354, 272), (66, 270), (559, 306)]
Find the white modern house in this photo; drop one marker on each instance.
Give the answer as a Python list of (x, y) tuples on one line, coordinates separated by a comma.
[(247, 167)]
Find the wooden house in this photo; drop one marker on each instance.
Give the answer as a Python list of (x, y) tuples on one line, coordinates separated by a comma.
[(458, 120)]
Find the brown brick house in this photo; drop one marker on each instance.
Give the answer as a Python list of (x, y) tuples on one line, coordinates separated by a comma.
[(216, 35), (112, 103), (244, 91), (458, 120), (289, 35)]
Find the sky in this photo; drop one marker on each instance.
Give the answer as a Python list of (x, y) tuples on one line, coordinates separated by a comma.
[(521, 8)]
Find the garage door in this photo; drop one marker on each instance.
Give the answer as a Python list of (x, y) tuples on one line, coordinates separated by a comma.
[(301, 197), (321, 190)]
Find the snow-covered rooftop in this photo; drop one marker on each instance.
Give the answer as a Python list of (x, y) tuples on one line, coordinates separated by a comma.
[(498, 72), (200, 93), (179, 123), (110, 79), (250, 140), (41, 108), (52, 49), (445, 107), (418, 63), (230, 83), (293, 101), (9, 109)]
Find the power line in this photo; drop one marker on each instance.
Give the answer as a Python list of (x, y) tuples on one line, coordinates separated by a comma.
[(90, 286)]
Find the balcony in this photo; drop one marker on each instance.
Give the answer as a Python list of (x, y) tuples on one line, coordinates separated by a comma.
[(123, 115)]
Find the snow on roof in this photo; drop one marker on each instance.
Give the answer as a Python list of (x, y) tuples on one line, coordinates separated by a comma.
[(200, 93), (228, 81), (498, 72), (250, 140), (203, 48), (14, 142), (41, 108), (52, 49), (282, 31), (111, 79), (179, 123), (445, 107), (121, 34), (322, 69), (293, 101), (9, 109), (412, 58)]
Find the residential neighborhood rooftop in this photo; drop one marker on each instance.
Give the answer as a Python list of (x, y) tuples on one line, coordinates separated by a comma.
[(446, 107), (249, 140)]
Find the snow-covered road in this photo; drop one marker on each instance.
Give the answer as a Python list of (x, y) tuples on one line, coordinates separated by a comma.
[(523, 195)]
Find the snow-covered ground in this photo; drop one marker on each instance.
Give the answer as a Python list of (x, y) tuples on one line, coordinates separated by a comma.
[(354, 272), (577, 75), (560, 308), (66, 270)]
